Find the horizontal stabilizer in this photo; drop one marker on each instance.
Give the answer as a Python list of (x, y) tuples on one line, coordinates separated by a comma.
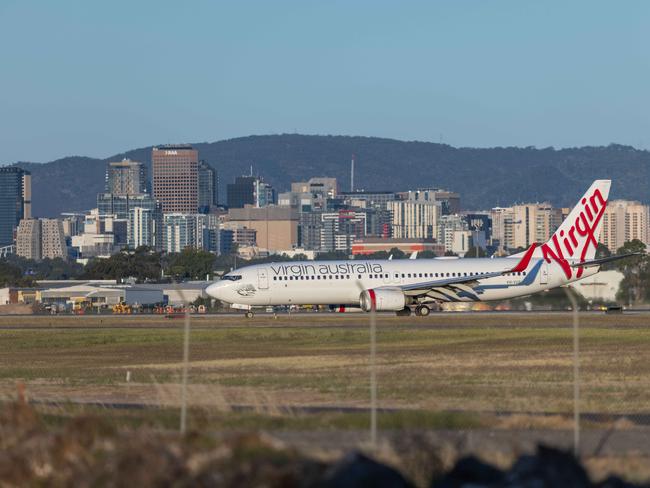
[(598, 262)]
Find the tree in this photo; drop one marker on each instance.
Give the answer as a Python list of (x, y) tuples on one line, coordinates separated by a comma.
[(12, 275), (475, 252), (193, 264), (143, 264), (636, 273)]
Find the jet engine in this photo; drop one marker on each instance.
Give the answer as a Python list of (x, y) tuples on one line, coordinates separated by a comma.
[(344, 309), (383, 300)]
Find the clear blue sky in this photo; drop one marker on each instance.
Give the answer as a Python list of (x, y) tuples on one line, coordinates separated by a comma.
[(95, 78)]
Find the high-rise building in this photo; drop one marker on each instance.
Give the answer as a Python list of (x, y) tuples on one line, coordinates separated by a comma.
[(208, 187), (15, 201), (249, 190), (126, 177), (179, 232), (28, 239), (145, 227), (276, 227), (625, 221), (176, 178), (53, 243), (41, 239), (413, 219), (502, 228), (121, 205), (340, 229), (449, 200), (447, 230), (534, 222)]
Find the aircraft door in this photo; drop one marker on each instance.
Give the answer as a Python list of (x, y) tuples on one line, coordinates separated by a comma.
[(262, 278), (543, 274)]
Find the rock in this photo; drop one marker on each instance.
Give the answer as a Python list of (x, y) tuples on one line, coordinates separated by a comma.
[(356, 470), (470, 471)]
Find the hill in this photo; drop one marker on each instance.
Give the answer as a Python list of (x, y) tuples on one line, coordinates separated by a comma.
[(485, 177)]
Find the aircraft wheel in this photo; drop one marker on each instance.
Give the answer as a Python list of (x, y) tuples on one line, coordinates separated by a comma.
[(250, 315), (403, 313), (422, 311)]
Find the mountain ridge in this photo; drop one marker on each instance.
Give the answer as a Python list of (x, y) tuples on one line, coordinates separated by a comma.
[(485, 177)]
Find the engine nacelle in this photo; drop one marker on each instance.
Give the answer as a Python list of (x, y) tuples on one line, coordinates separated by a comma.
[(344, 309), (383, 300)]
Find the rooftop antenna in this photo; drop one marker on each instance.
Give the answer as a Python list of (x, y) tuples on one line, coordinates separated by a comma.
[(352, 175)]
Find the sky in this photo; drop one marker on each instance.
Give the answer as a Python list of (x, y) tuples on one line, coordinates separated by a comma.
[(98, 78)]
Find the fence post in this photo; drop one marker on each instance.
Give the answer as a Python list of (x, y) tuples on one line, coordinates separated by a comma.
[(576, 371)]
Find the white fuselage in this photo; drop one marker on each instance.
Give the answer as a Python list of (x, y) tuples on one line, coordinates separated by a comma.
[(341, 282)]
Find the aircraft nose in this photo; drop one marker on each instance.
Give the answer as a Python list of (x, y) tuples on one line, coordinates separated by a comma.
[(217, 289)]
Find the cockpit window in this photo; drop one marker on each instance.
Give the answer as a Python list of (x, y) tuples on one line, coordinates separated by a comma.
[(231, 277)]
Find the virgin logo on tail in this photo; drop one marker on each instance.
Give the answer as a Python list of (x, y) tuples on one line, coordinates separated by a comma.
[(580, 237)]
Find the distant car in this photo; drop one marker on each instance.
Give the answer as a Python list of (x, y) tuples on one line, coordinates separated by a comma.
[(613, 309)]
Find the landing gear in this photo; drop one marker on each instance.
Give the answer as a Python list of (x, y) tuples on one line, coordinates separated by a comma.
[(250, 314), (422, 310), (406, 312)]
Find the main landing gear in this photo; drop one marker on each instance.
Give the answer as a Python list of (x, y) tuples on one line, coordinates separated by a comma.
[(249, 314), (422, 310)]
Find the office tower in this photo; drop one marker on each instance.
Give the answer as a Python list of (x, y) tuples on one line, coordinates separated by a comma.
[(179, 232), (121, 205), (249, 190), (15, 201), (176, 178), (241, 192), (28, 239), (624, 221), (276, 227), (53, 243), (414, 219), (144, 227), (41, 239), (340, 229), (534, 222), (126, 177), (208, 187), (449, 200)]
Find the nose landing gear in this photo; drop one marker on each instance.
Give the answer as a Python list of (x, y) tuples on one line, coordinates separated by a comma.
[(249, 314)]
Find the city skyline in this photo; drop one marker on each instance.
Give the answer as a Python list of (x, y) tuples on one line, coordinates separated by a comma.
[(93, 79)]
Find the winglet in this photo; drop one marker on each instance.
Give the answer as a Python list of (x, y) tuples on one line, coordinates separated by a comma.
[(525, 260)]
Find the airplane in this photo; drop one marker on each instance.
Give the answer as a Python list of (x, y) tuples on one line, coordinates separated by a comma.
[(421, 285)]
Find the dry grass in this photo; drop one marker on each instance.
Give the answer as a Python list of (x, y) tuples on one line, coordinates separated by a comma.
[(487, 362)]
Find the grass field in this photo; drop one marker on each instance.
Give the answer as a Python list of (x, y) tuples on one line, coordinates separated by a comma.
[(490, 384), (450, 362)]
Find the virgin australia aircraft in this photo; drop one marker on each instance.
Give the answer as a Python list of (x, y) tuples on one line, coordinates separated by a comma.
[(421, 285)]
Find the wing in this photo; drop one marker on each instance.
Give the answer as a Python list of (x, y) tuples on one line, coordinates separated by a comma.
[(452, 288)]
